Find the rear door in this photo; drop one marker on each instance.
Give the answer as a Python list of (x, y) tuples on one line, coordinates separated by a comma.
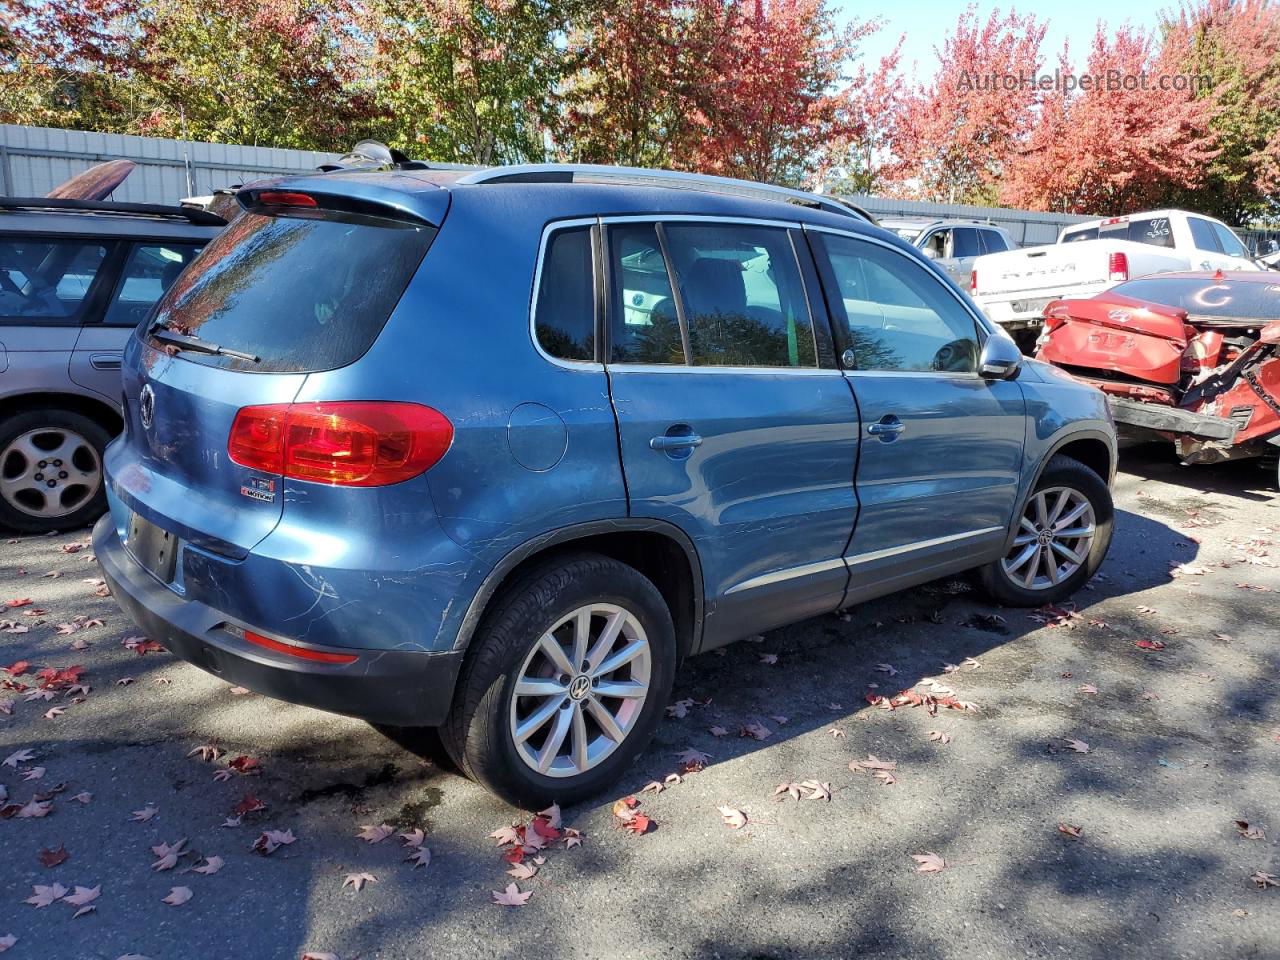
[(941, 450), (733, 422), (298, 291), (149, 268)]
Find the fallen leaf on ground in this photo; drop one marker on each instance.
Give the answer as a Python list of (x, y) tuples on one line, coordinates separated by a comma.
[(756, 731), (145, 814), (638, 824), (836, 733), (872, 763), (718, 732), (210, 866), (939, 736), (512, 896), (168, 854), (33, 773), (207, 752), (769, 658), (42, 895), (269, 840), (414, 838), (1088, 688), (177, 896), (83, 898), (375, 834), (523, 871), (1149, 644), (1250, 832), (420, 857), (733, 818), (83, 797), (887, 668), (51, 858), (7, 941), (1263, 880), (21, 756), (1079, 746), (928, 862), (358, 880), (693, 758), (1070, 831)]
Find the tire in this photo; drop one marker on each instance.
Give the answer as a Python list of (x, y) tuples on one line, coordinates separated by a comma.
[(509, 647), (28, 504), (1006, 580)]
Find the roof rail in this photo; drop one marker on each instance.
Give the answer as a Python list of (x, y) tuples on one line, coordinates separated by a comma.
[(198, 217), (670, 179)]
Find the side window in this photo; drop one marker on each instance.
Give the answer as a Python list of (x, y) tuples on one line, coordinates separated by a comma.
[(743, 299), (966, 242), (643, 321), (993, 241), (565, 313), (898, 316), (1154, 231), (47, 280), (149, 272), (1202, 235), (1231, 244)]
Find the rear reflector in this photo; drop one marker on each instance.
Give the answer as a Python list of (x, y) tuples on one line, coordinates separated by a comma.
[(285, 198), (302, 653), (1118, 266), (354, 443), (973, 281)]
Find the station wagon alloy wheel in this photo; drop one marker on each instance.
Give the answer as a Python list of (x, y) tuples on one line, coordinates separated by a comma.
[(1053, 540), (49, 472), (580, 690)]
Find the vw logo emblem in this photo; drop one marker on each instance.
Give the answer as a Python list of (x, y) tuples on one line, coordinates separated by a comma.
[(147, 406), (580, 686)]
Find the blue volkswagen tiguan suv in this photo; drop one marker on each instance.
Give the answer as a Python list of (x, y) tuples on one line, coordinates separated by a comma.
[(492, 451)]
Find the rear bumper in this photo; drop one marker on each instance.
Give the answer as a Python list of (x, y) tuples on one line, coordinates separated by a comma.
[(398, 687)]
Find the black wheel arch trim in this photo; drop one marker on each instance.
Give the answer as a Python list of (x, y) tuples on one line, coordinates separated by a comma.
[(562, 536)]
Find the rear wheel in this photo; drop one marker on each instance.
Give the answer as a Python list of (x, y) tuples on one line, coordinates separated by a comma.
[(51, 470), (1062, 538), (565, 683)]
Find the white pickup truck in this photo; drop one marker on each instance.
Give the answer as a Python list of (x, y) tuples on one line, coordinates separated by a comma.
[(1013, 288)]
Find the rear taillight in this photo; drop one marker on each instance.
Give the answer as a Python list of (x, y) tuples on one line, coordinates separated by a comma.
[(354, 443), (973, 281), (1118, 266)]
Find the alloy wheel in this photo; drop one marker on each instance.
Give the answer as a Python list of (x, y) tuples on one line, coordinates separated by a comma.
[(49, 472), (1055, 534), (580, 690)]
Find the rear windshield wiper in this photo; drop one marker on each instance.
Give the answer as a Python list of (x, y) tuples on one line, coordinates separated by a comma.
[(196, 345)]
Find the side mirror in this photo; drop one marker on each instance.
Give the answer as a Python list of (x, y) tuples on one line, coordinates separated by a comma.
[(1001, 359)]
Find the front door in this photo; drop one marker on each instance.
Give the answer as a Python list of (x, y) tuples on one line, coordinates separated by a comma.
[(941, 452), (729, 427)]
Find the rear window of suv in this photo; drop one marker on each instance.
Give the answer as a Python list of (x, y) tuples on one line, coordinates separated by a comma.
[(301, 294)]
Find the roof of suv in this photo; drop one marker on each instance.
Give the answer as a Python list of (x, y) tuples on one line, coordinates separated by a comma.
[(581, 190), (105, 219)]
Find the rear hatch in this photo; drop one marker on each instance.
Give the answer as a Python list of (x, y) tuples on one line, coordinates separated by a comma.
[(303, 281)]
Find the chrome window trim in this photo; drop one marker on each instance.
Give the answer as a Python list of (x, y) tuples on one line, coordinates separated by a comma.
[(857, 558), (547, 231), (983, 324), (678, 218)]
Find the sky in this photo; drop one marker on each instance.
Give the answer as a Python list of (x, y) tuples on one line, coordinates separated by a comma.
[(927, 22)]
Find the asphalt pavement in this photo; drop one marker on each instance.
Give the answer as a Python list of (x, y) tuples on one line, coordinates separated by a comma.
[(1165, 669)]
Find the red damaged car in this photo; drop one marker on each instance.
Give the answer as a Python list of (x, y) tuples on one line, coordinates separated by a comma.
[(1191, 357)]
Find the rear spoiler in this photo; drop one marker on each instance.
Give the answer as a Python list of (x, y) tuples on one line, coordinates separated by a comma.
[(387, 196)]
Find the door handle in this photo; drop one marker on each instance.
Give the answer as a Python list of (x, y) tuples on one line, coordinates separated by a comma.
[(887, 428), (669, 442), (105, 361)]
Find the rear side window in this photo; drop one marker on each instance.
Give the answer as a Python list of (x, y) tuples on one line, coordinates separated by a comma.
[(965, 243), (564, 317), (46, 280), (644, 324), (148, 273), (1154, 231), (302, 294), (743, 299), (993, 241), (1202, 235)]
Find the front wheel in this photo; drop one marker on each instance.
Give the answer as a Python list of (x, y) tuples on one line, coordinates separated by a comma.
[(1062, 538), (565, 683)]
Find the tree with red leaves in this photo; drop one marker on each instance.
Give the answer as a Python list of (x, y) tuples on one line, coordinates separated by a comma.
[(957, 130), (1118, 146)]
